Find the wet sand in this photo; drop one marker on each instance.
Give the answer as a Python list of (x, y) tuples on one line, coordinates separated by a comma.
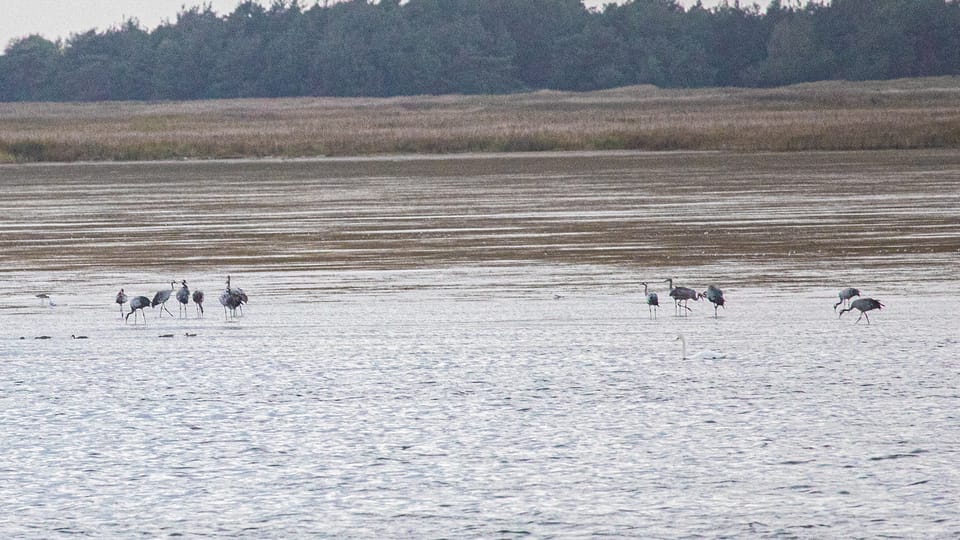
[(774, 219)]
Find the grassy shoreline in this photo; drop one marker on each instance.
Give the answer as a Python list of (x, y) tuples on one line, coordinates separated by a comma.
[(875, 115)]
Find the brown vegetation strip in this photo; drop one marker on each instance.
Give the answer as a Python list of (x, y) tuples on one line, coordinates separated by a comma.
[(913, 113)]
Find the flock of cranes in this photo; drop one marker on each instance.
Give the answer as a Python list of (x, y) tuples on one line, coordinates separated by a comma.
[(863, 305), (682, 295), (231, 299)]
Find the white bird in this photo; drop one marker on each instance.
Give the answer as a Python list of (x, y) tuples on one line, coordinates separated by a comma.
[(702, 355)]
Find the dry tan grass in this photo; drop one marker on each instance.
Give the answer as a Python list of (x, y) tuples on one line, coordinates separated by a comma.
[(915, 113)]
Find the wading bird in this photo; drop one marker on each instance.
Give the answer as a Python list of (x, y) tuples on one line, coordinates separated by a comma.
[(198, 300), (183, 296), (230, 298), (715, 296), (845, 296), (681, 294), (121, 300), (241, 299), (161, 298), (702, 355), (137, 302), (863, 305), (43, 298), (74, 336), (653, 302)]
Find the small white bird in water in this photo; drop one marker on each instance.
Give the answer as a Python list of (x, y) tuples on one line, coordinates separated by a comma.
[(702, 355)]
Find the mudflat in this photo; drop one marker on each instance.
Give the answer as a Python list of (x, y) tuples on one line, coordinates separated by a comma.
[(758, 217)]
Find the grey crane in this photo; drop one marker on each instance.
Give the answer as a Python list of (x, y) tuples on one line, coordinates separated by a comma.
[(183, 296), (230, 298), (137, 302), (863, 305), (241, 299), (715, 296), (653, 302), (681, 294), (198, 300), (121, 300), (160, 299), (845, 296), (44, 297)]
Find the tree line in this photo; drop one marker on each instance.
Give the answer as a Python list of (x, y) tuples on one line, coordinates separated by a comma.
[(388, 48)]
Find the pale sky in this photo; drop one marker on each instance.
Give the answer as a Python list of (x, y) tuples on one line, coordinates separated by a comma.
[(59, 18)]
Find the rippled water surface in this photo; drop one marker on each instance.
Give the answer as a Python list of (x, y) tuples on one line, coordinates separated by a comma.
[(459, 347)]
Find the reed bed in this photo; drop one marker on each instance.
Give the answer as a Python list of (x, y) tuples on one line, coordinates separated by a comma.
[(902, 114)]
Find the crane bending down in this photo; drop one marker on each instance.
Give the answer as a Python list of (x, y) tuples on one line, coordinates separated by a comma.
[(863, 305), (137, 302), (653, 302), (715, 296), (183, 296), (198, 300), (845, 296), (121, 300), (681, 294), (160, 299)]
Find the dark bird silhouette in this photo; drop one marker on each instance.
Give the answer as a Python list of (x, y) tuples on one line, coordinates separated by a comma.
[(188, 334), (42, 337), (165, 335), (845, 296), (863, 305), (43, 298), (241, 299), (183, 296), (653, 302), (160, 299), (137, 302), (198, 300), (681, 294), (714, 295), (121, 300), (74, 336), (231, 299)]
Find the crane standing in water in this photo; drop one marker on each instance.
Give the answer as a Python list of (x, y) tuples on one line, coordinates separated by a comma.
[(681, 294), (161, 298), (863, 305), (198, 300), (183, 296), (845, 296), (137, 302), (121, 300), (715, 296), (231, 298), (653, 302)]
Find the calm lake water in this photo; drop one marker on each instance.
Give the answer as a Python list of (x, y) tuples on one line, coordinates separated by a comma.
[(459, 347)]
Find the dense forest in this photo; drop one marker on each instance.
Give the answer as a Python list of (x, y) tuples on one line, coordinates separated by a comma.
[(387, 48)]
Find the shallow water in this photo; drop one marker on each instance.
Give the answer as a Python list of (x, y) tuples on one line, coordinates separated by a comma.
[(393, 377)]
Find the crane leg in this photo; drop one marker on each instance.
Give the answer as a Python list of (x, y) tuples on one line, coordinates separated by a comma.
[(163, 307)]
